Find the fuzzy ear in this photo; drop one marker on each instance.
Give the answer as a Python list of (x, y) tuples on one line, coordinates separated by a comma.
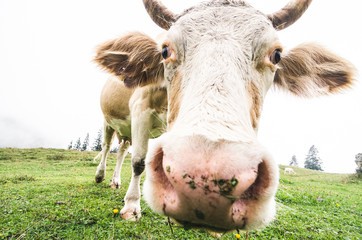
[(310, 70), (134, 57)]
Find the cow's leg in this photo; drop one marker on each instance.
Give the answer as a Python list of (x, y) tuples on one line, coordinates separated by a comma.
[(141, 123), (106, 145), (122, 152)]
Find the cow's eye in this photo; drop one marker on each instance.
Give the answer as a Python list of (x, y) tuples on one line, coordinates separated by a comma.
[(276, 56), (166, 52)]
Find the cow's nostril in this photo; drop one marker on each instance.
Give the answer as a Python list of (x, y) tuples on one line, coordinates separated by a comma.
[(157, 166), (261, 183)]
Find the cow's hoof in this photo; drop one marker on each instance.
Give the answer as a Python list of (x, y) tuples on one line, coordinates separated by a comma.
[(115, 185), (99, 179), (131, 215)]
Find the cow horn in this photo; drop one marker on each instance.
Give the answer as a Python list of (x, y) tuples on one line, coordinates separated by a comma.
[(289, 14), (159, 13)]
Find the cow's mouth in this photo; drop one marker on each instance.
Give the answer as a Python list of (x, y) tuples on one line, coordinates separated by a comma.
[(217, 196)]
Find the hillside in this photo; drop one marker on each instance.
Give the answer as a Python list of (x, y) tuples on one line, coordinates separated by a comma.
[(51, 194)]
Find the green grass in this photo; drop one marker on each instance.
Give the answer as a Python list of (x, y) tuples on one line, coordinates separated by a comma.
[(51, 194)]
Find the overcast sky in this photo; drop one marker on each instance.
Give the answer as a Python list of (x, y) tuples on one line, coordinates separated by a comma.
[(49, 88)]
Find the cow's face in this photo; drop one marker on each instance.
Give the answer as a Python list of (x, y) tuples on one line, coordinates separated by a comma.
[(218, 60)]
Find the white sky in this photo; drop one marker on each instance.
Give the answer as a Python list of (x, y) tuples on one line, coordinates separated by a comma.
[(49, 88)]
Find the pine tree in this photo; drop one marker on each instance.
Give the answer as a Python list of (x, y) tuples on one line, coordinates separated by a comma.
[(85, 143), (294, 161), (97, 145), (312, 161), (114, 150), (70, 146), (77, 145)]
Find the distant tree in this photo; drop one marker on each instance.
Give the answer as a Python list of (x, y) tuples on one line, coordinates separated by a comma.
[(97, 145), (359, 164), (312, 161), (85, 143), (70, 146), (77, 145), (114, 150), (294, 161)]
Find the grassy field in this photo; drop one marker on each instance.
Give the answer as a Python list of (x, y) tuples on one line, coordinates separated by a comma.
[(51, 194)]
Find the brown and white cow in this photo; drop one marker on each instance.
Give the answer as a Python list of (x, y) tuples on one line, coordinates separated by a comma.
[(217, 61), (133, 115)]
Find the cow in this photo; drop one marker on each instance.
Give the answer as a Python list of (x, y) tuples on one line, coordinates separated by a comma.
[(289, 171), (130, 114), (216, 61)]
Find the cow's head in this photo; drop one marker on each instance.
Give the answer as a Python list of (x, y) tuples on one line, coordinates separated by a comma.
[(218, 61)]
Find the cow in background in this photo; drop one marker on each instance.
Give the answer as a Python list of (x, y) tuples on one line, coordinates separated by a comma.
[(289, 171), (133, 116)]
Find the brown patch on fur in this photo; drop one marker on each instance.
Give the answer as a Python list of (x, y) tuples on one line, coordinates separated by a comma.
[(311, 70), (159, 100), (174, 99), (114, 99), (135, 57), (256, 104)]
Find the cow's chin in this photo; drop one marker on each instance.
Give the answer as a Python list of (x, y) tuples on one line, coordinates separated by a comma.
[(215, 185)]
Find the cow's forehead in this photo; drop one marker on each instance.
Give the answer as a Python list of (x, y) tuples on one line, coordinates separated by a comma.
[(224, 20), (215, 4), (223, 12)]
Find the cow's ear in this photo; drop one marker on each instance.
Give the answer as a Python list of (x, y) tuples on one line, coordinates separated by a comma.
[(310, 70), (134, 57)]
